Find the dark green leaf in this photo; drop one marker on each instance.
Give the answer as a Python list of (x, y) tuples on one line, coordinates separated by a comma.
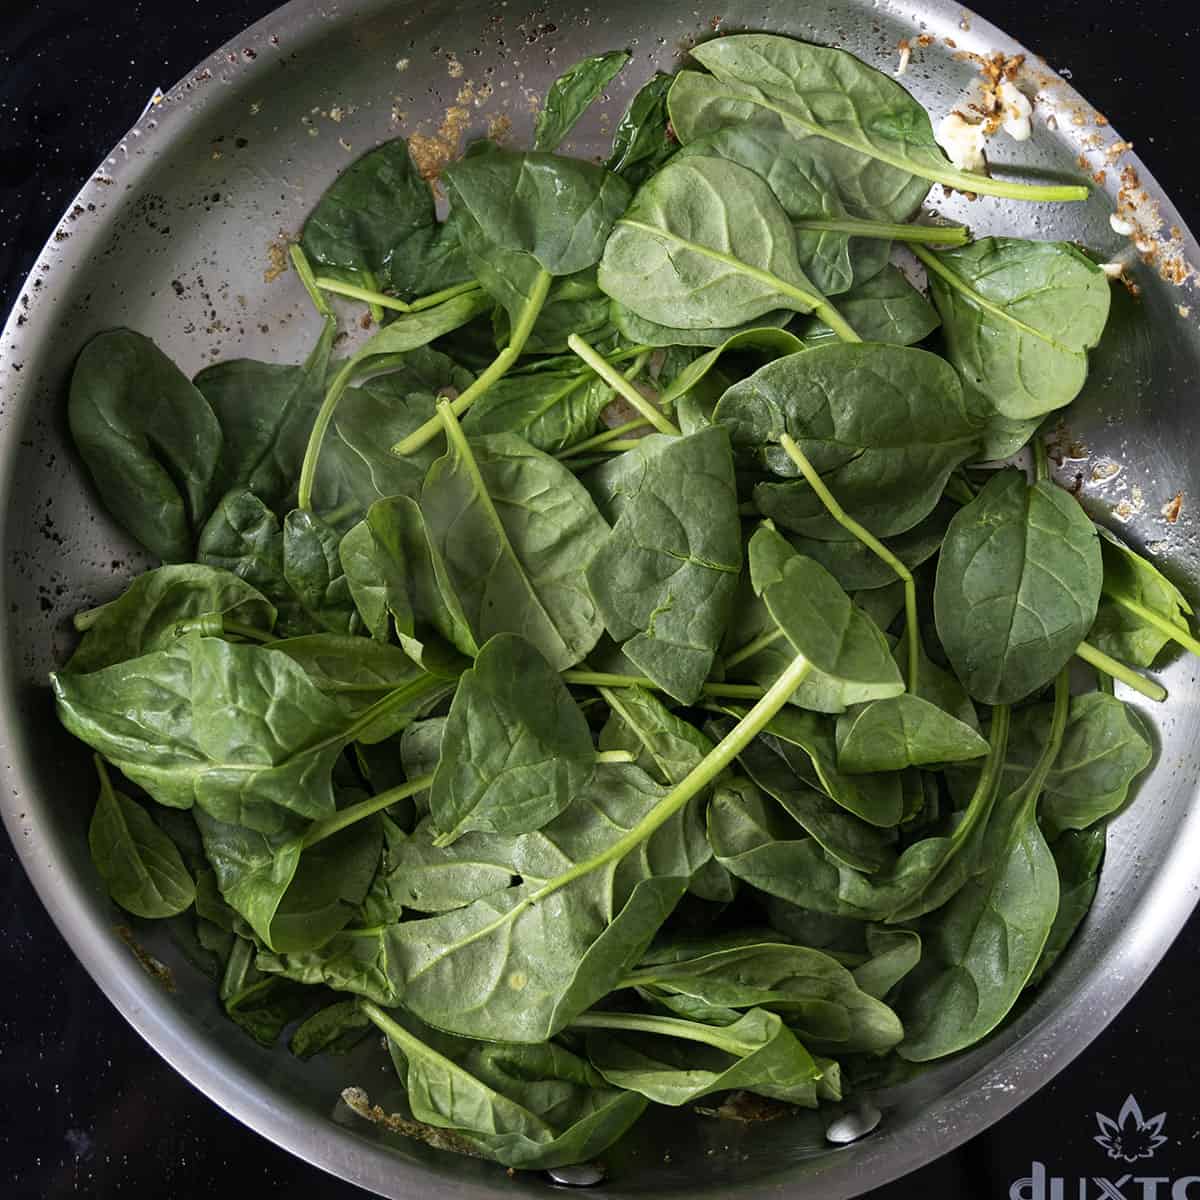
[(511, 531), (376, 224), (1131, 583), (692, 266), (1077, 855), (885, 308), (665, 577), (146, 615), (515, 749), (642, 141), (139, 864), (334, 1029), (903, 731), (149, 439), (1104, 748), (1018, 318), (883, 425), (1018, 581), (572, 94)]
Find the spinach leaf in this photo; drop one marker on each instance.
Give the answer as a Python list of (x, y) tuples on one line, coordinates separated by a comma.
[(903, 731), (295, 899), (357, 464), (531, 1107), (164, 720), (839, 833), (876, 799), (770, 343), (1105, 746), (979, 952), (429, 878), (512, 531), (850, 658), (1077, 856), (352, 960), (1018, 581), (894, 954), (828, 251), (266, 411), (824, 93), (376, 226), (147, 614), (557, 211), (858, 568), (1141, 610), (642, 141), (335, 1029), (884, 308), (551, 410), (515, 749), (1018, 319), (574, 304), (816, 996), (638, 330), (692, 266), (758, 845), (149, 439), (886, 462), (666, 746), (141, 868), (313, 571), (703, 105), (572, 94), (356, 673), (243, 537), (664, 578), (757, 1053), (499, 969)]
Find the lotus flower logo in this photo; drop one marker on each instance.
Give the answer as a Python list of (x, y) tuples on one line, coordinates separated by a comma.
[(1130, 1136)]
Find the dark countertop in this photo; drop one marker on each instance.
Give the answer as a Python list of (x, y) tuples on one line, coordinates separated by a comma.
[(86, 1108)]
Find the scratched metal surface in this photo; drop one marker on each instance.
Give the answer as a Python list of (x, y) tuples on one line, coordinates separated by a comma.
[(174, 236)]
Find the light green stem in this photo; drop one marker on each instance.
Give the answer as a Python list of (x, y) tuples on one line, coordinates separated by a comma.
[(692, 1031), (373, 288), (312, 453), (735, 691), (242, 630), (872, 543), (602, 439), (1182, 636), (354, 292), (750, 649), (621, 385), (930, 235), (621, 445), (1041, 460), (615, 756), (1119, 671), (304, 270), (436, 298), (696, 780), (318, 831), (493, 371)]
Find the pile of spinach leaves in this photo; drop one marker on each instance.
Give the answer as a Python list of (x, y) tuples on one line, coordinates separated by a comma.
[(615, 680)]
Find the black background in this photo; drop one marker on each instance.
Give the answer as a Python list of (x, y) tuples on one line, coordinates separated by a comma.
[(86, 1108)]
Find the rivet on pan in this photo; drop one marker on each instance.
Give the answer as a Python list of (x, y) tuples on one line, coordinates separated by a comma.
[(851, 1126), (583, 1175)]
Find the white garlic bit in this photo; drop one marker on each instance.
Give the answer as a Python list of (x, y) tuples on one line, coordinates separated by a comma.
[(962, 141)]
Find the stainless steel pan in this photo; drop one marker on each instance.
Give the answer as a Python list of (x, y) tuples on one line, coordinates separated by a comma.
[(179, 234)]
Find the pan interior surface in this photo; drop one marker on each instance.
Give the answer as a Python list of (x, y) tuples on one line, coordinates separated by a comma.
[(181, 234)]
